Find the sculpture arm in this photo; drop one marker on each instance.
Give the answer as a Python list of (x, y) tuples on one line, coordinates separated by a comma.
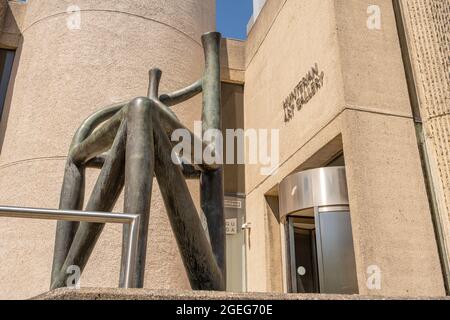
[(89, 125), (182, 95)]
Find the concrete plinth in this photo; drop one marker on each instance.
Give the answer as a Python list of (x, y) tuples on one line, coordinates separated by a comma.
[(143, 294)]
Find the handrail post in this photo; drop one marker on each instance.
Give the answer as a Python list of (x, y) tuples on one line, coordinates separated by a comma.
[(131, 241)]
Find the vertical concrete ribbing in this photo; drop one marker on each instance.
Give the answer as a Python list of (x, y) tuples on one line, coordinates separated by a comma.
[(429, 34)]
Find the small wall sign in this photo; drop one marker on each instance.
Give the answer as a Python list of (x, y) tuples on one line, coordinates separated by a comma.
[(235, 204), (231, 226), (305, 90)]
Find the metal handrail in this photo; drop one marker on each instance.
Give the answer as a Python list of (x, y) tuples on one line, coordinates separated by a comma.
[(132, 220)]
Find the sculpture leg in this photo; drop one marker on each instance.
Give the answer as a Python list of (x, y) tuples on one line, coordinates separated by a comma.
[(72, 194), (103, 198), (202, 269), (139, 172), (211, 181), (212, 199)]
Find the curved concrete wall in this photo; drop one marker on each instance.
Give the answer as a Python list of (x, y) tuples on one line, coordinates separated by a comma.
[(63, 76), (3, 9)]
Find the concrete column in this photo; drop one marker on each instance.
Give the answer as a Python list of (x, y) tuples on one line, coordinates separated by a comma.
[(427, 29), (392, 224), (76, 57)]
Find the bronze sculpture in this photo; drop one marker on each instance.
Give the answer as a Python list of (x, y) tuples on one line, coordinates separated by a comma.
[(136, 138)]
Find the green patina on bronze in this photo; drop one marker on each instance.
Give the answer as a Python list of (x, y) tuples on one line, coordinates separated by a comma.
[(130, 142)]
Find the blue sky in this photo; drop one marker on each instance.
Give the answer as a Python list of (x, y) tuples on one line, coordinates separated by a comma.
[(233, 16)]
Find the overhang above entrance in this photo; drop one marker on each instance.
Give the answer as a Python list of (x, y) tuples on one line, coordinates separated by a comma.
[(313, 188)]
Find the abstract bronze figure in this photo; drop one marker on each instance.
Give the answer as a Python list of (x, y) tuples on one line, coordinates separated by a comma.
[(131, 144)]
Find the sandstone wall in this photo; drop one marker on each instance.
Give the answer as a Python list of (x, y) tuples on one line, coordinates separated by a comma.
[(72, 63)]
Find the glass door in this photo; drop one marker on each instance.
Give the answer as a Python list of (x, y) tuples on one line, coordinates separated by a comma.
[(321, 252), (303, 251)]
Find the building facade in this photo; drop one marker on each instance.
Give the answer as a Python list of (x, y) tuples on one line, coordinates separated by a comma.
[(353, 89)]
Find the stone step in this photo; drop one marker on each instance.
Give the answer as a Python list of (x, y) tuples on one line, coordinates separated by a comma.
[(147, 294)]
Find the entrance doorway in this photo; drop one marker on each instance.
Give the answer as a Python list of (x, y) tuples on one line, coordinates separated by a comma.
[(320, 254), (303, 252)]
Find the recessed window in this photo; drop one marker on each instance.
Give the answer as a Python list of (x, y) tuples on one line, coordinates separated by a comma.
[(6, 63)]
